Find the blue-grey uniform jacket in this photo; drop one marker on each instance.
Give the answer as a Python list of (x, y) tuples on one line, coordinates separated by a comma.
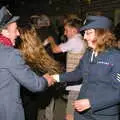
[(14, 72), (101, 81)]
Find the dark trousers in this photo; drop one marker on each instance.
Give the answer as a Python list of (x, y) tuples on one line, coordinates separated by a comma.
[(30, 104)]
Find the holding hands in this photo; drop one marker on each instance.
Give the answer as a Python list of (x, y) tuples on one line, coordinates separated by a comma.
[(48, 40), (51, 79), (79, 105)]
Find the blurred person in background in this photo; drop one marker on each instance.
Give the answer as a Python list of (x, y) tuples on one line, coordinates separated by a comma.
[(75, 47), (41, 62), (45, 29)]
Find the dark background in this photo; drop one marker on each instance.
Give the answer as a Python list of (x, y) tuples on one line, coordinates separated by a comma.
[(26, 8)]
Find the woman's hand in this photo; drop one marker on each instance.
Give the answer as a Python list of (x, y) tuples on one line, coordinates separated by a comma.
[(49, 79), (81, 105)]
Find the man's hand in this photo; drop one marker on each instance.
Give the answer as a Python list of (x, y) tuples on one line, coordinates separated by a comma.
[(81, 105), (49, 79), (50, 38)]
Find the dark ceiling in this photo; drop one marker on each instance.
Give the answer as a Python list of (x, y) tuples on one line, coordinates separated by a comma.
[(51, 7)]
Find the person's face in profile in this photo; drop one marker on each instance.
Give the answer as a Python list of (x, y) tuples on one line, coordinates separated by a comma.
[(13, 32), (89, 36), (69, 31)]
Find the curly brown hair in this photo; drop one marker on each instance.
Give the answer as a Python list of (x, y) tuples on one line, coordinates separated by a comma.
[(104, 39), (34, 52)]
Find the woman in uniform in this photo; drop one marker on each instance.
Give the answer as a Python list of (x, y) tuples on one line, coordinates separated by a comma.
[(100, 70)]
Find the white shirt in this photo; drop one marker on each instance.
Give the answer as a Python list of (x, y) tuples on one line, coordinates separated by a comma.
[(74, 44)]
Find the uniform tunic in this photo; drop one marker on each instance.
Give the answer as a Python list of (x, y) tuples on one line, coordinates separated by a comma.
[(101, 85)]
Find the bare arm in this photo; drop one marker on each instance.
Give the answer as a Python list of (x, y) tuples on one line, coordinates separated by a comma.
[(55, 48)]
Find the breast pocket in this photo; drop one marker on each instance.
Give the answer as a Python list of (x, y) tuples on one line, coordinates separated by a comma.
[(103, 69)]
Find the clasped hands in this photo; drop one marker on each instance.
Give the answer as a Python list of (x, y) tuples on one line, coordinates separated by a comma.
[(79, 105), (49, 79)]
